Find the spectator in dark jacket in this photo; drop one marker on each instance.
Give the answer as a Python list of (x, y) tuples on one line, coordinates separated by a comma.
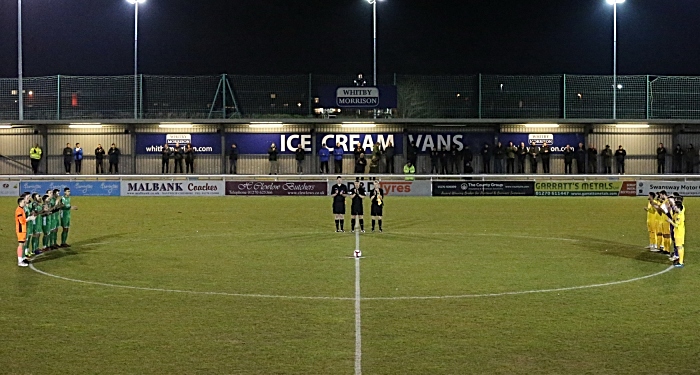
[(545, 155), (444, 160), (534, 153), (390, 153), (67, 157), (165, 156), (467, 157), (568, 159), (689, 159), (178, 155), (454, 160), (434, 161), (678, 159), (486, 158), (522, 155), (272, 158), (361, 164), (499, 154), (233, 159), (511, 151), (99, 159), (661, 159), (300, 155), (323, 156), (189, 158), (580, 154), (357, 151), (412, 153), (620, 155), (607, 156), (592, 154), (114, 154)]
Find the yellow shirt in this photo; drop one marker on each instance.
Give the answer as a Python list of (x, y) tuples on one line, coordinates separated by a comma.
[(679, 220)]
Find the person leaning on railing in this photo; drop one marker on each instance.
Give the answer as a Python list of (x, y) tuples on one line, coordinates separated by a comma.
[(233, 159), (409, 170), (35, 154), (114, 154)]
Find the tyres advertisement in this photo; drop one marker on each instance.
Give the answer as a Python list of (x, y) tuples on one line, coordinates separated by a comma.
[(483, 188)]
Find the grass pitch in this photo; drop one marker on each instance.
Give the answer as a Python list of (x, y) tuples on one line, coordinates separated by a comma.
[(286, 247)]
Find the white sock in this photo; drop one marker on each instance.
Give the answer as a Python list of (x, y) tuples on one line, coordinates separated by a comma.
[(20, 259)]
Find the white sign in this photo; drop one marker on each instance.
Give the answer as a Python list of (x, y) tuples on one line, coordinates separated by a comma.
[(355, 97), (686, 189), (394, 188), (172, 188), (9, 188), (292, 142), (540, 139), (182, 139)]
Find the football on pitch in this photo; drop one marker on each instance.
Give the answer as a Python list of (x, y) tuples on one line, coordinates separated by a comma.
[(358, 253)]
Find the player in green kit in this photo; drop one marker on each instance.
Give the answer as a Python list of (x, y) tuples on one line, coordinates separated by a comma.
[(29, 225), (46, 222), (54, 201), (65, 216), (37, 209)]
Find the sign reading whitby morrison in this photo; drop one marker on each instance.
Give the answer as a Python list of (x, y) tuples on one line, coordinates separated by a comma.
[(202, 143), (297, 188), (172, 188), (382, 96), (77, 188), (483, 188)]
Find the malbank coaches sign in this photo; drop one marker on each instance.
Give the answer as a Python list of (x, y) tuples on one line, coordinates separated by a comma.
[(172, 188)]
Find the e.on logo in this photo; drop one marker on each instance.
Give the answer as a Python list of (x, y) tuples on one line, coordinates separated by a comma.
[(396, 187)]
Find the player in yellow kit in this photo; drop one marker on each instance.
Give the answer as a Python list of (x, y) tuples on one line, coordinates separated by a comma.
[(678, 223), (651, 223)]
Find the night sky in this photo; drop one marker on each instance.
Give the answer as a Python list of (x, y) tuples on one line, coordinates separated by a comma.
[(192, 37)]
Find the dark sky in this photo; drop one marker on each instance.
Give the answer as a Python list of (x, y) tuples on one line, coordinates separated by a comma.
[(192, 37)]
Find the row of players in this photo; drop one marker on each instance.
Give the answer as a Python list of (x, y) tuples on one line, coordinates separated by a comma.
[(357, 193), (666, 225), (36, 215)]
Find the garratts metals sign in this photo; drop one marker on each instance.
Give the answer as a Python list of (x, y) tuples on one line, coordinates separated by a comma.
[(296, 188)]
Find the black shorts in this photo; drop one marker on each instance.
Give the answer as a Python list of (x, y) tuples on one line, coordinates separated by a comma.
[(357, 209), (338, 208), (377, 210)]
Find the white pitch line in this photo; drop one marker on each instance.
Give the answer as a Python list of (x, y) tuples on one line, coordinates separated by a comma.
[(358, 320)]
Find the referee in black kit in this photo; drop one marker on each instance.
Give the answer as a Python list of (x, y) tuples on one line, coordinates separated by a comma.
[(357, 210), (339, 192), (377, 198)]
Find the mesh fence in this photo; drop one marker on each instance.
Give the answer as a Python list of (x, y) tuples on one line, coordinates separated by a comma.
[(521, 96), (675, 98), (419, 96), (592, 97)]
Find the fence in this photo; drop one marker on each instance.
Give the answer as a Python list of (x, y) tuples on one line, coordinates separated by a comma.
[(236, 96)]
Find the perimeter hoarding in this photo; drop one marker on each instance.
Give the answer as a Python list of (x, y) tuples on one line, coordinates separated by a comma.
[(268, 188), (162, 188), (9, 188), (202, 143), (77, 188), (684, 188), (586, 188), (393, 188), (483, 188)]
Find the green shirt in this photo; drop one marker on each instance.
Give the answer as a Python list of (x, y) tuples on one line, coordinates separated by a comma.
[(66, 204)]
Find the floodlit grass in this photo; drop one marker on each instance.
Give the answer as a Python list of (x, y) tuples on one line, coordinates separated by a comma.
[(287, 247)]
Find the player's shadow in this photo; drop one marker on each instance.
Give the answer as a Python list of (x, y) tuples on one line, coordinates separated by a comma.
[(76, 248), (623, 250)]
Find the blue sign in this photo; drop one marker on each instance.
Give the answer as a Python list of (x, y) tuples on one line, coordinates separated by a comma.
[(77, 188), (259, 143), (556, 141), (381, 97), (348, 141), (426, 141), (202, 143)]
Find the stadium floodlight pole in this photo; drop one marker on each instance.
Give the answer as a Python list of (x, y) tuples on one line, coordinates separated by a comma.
[(136, 54), (374, 18), (614, 4), (20, 73)]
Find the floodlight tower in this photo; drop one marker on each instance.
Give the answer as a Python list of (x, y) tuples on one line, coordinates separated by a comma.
[(615, 87), (20, 74), (136, 54)]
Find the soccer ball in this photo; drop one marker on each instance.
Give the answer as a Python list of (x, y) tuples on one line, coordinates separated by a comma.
[(358, 253)]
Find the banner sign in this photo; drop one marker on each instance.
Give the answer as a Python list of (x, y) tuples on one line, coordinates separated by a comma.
[(202, 143), (382, 97), (686, 189), (10, 188), (393, 188), (164, 188), (77, 188), (259, 143), (483, 188), (347, 141), (557, 141), (426, 141), (297, 188), (586, 189)]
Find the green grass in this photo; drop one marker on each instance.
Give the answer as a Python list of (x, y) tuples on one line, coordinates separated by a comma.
[(287, 247)]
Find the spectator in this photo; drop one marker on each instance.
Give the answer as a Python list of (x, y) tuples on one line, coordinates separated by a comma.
[(409, 170), (323, 156), (178, 155), (580, 159), (522, 155), (468, 169), (67, 157), (677, 159), (486, 158), (500, 154), (534, 153), (361, 164), (233, 159), (360, 81), (444, 156), (338, 159), (690, 154), (78, 154), (300, 155), (114, 154), (568, 159), (620, 156), (99, 159), (545, 154), (412, 153), (165, 159), (661, 159), (511, 150), (357, 151), (434, 161), (592, 154), (607, 155), (35, 154), (390, 154), (189, 158), (376, 158), (272, 158), (454, 160), (467, 157)]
